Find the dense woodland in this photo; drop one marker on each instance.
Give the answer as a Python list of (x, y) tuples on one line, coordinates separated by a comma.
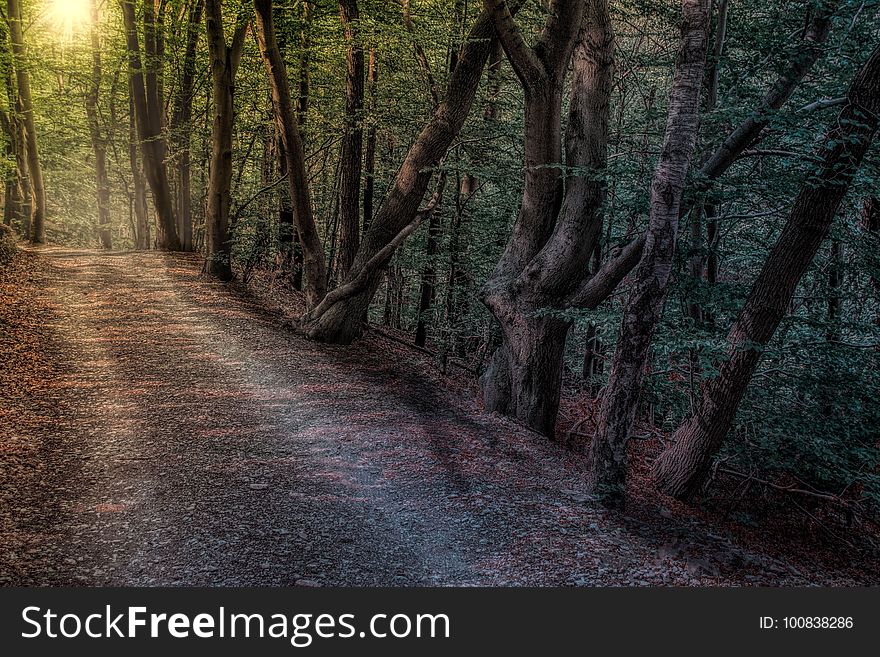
[(667, 210)]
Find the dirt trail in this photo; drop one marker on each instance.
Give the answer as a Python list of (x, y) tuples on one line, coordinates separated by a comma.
[(173, 433)]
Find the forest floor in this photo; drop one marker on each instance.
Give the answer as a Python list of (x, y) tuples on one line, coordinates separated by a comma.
[(160, 429)]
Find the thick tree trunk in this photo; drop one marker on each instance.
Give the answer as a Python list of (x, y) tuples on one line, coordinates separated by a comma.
[(314, 266), (682, 469), (181, 126), (524, 376), (607, 475), (520, 381), (342, 321), (224, 65), (98, 144), (547, 257), (35, 170), (149, 123), (352, 141)]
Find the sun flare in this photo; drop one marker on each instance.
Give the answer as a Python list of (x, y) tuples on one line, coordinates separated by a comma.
[(70, 16)]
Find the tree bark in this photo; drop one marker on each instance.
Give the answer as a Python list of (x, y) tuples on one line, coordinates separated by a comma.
[(12, 207), (139, 184), (546, 260), (342, 321), (305, 75), (428, 285), (352, 141), (26, 112), (370, 155), (682, 468), (224, 66), (98, 143), (181, 125), (314, 266), (607, 475), (149, 124)]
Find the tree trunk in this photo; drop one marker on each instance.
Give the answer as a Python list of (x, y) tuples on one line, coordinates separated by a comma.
[(428, 285), (38, 191), (607, 475), (139, 185), (370, 155), (547, 258), (18, 189), (342, 321), (524, 377), (352, 141), (314, 267), (12, 208), (149, 124), (98, 143), (224, 65), (181, 126), (682, 469), (305, 75)]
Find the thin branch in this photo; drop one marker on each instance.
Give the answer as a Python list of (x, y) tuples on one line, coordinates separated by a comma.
[(360, 281), (525, 62), (600, 286)]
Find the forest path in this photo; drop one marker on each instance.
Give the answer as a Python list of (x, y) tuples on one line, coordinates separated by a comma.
[(167, 431)]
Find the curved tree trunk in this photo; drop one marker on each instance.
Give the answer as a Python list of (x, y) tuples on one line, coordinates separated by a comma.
[(607, 476), (682, 469), (35, 170), (546, 260), (342, 321), (314, 266), (522, 381)]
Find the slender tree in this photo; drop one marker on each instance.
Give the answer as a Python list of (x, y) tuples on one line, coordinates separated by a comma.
[(351, 163), (148, 115), (139, 183), (314, 265), (181, 124), (26, 111), (98, 140), (224, 66), (651, 279)]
